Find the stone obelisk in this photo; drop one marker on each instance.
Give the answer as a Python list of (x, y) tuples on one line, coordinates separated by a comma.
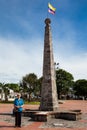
[(49, 100)]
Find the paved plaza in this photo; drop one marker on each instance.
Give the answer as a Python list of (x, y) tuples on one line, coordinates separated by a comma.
[(7, 119)]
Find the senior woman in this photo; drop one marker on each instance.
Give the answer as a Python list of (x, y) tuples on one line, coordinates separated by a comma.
[(18, 108)]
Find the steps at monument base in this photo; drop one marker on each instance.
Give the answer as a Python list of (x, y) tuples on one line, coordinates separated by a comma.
[(69, 115), (48, 115), (43, 116), (28, 113)]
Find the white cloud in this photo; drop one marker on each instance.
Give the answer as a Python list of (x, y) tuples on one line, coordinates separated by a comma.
[(17, 59), (76, 64)]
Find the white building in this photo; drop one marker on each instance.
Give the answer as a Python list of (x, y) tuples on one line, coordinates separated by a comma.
[(10, 97)]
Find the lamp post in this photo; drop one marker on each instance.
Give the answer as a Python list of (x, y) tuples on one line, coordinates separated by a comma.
[(56, 65)]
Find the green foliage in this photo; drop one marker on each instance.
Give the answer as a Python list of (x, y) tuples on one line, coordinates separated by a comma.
[(6, 88), (28, 84), (37, 90), (64, 80), (13, 86), (1, 85), (80, 87)]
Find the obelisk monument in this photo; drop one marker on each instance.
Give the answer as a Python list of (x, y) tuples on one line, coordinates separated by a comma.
[(49, 100)]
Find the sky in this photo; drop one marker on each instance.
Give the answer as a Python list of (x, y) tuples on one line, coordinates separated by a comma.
[(22, 37)]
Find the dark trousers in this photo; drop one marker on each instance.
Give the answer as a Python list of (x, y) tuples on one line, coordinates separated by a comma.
[(18, 118)]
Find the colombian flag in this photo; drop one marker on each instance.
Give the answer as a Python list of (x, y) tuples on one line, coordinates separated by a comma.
[(51, 9)]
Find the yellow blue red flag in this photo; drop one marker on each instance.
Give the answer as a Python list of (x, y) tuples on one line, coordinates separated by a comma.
[(51, 9)]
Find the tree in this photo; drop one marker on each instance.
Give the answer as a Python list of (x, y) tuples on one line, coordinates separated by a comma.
[(37, 90), (1, 90), (64, 81), (5, 88), (1, 87), (80, 88), (13, 86), (28, 83), (6, 91)]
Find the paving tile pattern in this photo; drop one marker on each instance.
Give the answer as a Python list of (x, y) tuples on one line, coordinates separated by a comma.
[(60, 123), (11, 120), (7, 121)]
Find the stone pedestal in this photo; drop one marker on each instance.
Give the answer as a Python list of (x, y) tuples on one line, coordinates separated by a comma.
[(47, 116), (49, 101)]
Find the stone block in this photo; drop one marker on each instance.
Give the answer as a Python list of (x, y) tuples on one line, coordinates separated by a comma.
[(28, 113), (68, 115), (42, 116)]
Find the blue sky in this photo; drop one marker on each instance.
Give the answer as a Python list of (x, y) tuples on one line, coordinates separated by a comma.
[(22, 37)]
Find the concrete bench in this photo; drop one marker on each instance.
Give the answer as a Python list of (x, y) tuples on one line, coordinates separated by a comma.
[(42, 116), (47, 115), (28, 113), (69, 115)]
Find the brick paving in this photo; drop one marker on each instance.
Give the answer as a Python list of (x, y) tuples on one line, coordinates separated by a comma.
[(7, 121)]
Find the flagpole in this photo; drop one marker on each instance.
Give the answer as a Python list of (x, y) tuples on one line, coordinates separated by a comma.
[(47, 10)]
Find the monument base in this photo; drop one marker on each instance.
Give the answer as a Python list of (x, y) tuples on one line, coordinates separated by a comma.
[(48, 115)]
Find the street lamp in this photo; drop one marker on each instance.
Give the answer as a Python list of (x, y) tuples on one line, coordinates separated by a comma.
[(56, 68), (56, 65)]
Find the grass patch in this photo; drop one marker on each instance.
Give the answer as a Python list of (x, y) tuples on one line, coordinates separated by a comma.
[(32, 103), (25, 102), (6, 102)]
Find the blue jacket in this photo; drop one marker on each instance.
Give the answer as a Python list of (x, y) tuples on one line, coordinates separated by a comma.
[(19, 102)]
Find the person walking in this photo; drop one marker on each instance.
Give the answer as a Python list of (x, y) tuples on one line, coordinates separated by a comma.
[(18, 108)]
